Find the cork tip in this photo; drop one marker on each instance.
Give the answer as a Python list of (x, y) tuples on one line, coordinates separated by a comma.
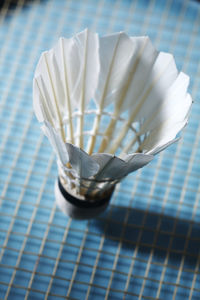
[(78, 208)]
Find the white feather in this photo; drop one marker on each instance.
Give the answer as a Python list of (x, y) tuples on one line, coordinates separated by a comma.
[(81, 162), (47, 104), (173, 106), (126, 68), (39, 104), (162, 76), (160, 137), (170, 104), (156, 150), (83, 68), (113, 67), (112, 70), (138, 77), (56, 142), (110, 166), (136, 161), (82, 61), (113, 168), (155, 87), (68, 76)]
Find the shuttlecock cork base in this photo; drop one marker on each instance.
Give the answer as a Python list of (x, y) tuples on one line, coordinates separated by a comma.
[(80, 207)]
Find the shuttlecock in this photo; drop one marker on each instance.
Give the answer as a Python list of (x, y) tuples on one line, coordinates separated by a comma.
[(107, 105)]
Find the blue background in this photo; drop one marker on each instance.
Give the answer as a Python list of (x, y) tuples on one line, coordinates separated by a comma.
[(147, 244)]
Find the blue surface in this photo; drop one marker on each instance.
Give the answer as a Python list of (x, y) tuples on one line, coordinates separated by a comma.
[(147, 244)]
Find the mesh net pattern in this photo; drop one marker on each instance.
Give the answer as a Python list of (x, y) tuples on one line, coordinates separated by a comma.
[(146, 245)]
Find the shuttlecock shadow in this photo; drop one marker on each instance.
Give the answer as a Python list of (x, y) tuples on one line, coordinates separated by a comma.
[(152, 233)]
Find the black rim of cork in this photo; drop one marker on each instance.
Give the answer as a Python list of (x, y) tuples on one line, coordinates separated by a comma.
[(83, 203)]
